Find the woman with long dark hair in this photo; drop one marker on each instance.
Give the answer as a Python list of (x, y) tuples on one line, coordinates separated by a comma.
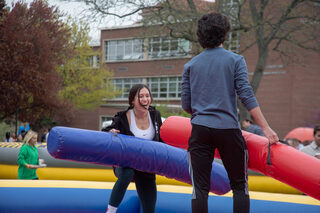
[(143, 121)]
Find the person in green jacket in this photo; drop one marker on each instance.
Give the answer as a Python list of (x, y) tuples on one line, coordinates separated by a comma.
[(28, 159)]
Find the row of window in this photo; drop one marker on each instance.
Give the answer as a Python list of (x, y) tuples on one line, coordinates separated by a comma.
[(94, 61), (157, 47), (160, 87)]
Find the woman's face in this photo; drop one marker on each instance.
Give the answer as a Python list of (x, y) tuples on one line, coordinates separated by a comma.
[(34, 140), (142, 99)]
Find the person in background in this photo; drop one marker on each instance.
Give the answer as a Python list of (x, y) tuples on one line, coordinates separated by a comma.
[(313, 148), (47, 135), (13, 137), (295, 143), (7, 137), (24, 126), (211, 82), (284, 142), (21, 136), (10, 137), (28, 158), (143, 121), (307, 142), (250, 127), (44, 135)]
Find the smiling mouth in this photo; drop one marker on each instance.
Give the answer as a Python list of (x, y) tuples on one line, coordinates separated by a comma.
[(144, 105)]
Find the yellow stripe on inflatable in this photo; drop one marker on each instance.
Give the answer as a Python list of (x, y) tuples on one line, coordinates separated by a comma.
[(289, 198), (19, 144), (301, 199), (85, 174), (267, 184), (60, 184), (256, 183)]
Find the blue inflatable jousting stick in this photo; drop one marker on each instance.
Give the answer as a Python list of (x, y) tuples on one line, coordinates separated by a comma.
[(127, 151)]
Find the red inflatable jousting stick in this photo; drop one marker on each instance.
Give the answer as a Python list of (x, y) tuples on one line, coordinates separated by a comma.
[(288, 165)]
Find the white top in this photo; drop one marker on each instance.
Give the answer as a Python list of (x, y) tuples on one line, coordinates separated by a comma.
[(140, 133)]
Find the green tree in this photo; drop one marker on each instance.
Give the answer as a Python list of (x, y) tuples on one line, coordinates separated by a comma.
[(85, 82)]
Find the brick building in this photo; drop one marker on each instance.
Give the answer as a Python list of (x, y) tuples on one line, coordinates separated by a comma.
[(289, 94)]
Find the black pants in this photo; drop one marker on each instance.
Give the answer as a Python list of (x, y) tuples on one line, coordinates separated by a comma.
[(145, 185), (234, 155)]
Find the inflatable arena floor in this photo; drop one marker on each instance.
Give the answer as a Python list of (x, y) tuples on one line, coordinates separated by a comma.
[(79, 176), (88, 196)]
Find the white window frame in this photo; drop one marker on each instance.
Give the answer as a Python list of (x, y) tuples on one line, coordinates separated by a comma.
[(124, 85), (124, 49), (167, 87), (183, 47)]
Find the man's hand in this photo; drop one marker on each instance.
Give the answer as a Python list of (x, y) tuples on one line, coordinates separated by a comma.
[(271, 135), (261, 121)]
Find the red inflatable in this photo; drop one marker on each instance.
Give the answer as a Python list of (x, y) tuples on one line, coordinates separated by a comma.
[(301, 133), (288, 165)]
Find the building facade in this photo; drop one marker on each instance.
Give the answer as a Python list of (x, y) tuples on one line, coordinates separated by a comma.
[(289, 94)]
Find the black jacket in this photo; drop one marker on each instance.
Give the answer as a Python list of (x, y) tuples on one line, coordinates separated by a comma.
[(120, 122)]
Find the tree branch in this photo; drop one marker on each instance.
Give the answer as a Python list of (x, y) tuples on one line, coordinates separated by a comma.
[(247, 47), (282, 19)]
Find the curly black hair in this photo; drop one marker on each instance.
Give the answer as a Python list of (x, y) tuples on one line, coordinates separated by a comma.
[(212, 29)]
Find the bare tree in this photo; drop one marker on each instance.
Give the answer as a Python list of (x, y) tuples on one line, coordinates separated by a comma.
[(270, 25), (284, 27)]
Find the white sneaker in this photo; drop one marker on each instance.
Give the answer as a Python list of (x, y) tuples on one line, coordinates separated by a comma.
[(111, 209)]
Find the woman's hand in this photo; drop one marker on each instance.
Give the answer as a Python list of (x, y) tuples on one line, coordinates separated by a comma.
[(30, 166), (114, 131)]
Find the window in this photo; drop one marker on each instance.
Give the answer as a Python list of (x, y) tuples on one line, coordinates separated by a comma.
[(124, 85), (167, 47), (160, 87), (165, 87), (231, 8), (124, 49), (232, 42), (94, 61), (158, 47), (98, 60)]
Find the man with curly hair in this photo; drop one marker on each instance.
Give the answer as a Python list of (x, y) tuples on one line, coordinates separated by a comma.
[(210, 83)]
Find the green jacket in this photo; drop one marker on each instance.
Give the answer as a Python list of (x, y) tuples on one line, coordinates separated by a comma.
[(27, 155)]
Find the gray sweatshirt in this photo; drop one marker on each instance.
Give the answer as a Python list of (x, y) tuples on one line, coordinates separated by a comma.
[(211, 82)]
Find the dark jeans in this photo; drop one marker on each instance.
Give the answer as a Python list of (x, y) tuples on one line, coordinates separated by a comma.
[(234, 155), (145, 184)]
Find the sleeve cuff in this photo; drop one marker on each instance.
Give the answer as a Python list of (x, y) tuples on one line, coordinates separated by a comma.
[(252, 105)]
